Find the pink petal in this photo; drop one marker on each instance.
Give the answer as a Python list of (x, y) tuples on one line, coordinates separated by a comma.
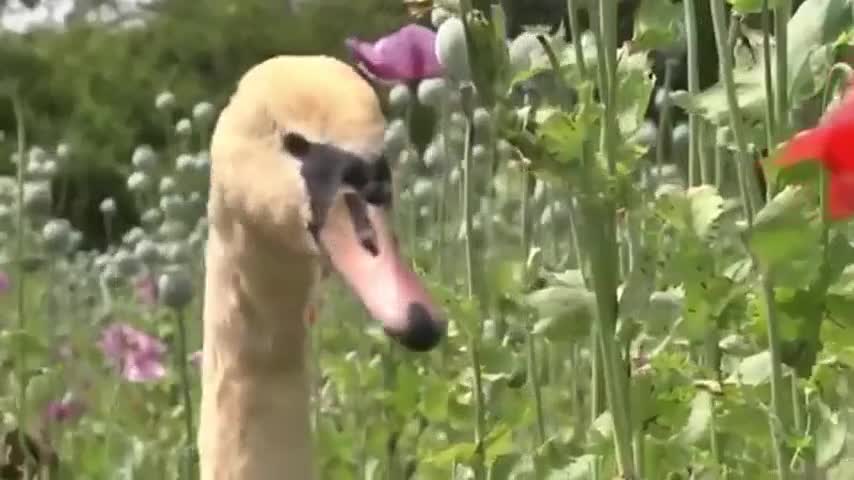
[(407, 54)]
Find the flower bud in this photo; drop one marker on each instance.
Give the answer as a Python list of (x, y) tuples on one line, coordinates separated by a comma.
[(173, 230), (168, 185), (133, 236), (175, 287), (63, 151), (173, 206), (434, 154), (479, 154), (452, 50)]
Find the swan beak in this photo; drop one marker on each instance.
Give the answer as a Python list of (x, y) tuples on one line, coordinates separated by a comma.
[(362, 248)]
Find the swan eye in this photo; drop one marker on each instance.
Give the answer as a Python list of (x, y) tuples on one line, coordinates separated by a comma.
[(295, 144)]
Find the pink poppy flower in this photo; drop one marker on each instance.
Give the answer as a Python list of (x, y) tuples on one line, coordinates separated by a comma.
[(138, 356), (64, 410), (408, 54)]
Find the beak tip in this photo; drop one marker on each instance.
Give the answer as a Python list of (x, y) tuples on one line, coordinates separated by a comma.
[(423, 332)]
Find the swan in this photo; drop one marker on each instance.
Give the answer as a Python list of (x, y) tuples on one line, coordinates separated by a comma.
[(298, 183)]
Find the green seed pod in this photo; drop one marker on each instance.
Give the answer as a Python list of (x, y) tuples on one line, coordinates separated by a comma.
[(482, 120), (168, 185), (505, 149), (452, 50), (56, 235), (454, 176), (133, 236), (37, 198), (76, 240), (48, 170), (184, 127), (175, 251), (164, 101), (399, 97), (173, 229), (479, 154), (184, 163), (7, 218), (110, 276), (434, 154), (147, 251), (422, 188), (144, 158), (175, 287), (203, 111), (139, 182), (63, 151), (202, 163), (647, 134), (521, 51), (108, 206), (396, 136), (724, 137), (37, 154), (127, 263), (151, 217), (173, 206), (432, 92)]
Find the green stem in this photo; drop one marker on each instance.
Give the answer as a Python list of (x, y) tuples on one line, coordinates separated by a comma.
[(782, 14), (663, 138), (770, 114), (777, 426), (186, 387), (575, 26), (694, 144), (474, 342)]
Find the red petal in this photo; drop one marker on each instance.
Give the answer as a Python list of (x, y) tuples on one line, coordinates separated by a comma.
[(841, 196), (806, 145)]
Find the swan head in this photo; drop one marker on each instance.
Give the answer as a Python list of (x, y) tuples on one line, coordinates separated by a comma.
[(297, 156)]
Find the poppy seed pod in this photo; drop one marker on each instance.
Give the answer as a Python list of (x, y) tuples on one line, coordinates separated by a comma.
[(173, 230), (127, 263), (482, 120), (452, 49), (151, 217), (434, 154), (108, 206), (37, 154), (37, 198), (479, 154), (48, 169), (63, 151), (521, 50), (202, 163), (723, 136), (164, 101), (147, 251), (203, 111), (184, 162), (173, 206), (133, 236), (399, 97), (174, 252), (168, 185), (175, 287), (144, 158), (422, 188), (184, 127), (432, 92), (110, 276), (396, 136), (138, 182), (56, 235)]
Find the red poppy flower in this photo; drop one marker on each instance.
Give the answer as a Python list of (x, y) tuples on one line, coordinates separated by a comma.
[(832, 143)]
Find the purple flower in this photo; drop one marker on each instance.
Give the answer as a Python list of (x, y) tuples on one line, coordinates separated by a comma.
[(138, 355), (67, 409), (5, 282), (405, 55)]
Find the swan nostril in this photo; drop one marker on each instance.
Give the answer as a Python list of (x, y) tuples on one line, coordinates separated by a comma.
[(422, 331)]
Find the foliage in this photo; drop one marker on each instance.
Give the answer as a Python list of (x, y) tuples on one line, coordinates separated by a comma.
[(623, 308)]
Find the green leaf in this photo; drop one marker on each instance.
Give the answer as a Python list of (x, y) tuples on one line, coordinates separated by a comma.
[(698, 420), (785, 233), (562, 135), (434, 401), (694, 210), (657, 24), (751, 6), (830, 435), (752, 371), (564, 313)]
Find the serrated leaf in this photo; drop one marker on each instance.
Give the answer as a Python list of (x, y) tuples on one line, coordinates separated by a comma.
[(830, 435), (657, 24), (784, 230), (752, 371)]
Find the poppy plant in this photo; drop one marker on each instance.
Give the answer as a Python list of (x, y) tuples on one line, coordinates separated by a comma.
[(408, 54), (138, 356), (831, 142)]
